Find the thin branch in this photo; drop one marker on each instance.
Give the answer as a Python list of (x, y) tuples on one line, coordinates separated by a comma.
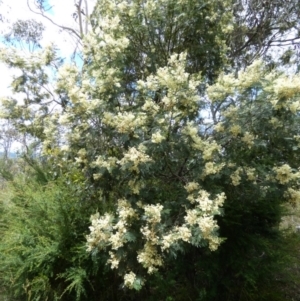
[(78, 6), (285, 41), (86, 16), (60, 26)]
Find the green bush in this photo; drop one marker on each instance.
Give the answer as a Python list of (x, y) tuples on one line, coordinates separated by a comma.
[(42, 249)]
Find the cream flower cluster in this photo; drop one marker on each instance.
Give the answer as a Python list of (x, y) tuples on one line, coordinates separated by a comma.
[(191, 131), (285, 174), (201, 218), (203, 202), (125, 122), (219, 127), (110, 232), (235, 130), (208, 147), (153, 213), (283, 92), (182, 96), (112, 41), (251, 75), (129, 279), (287, 87), (191, 187), (293, 195), (236, 176), (100, 229), (157, 137), (223, 87), (251, 174), (67, 76), (212, 168), (149, 257), (134, 158), (135, 185), (248, 138), (105, 232), (108, 163)]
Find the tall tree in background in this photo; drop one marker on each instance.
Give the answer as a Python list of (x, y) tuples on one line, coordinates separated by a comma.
[(262, 27), (25, 33)]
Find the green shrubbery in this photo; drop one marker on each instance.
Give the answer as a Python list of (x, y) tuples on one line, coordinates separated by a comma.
[(43, 253)]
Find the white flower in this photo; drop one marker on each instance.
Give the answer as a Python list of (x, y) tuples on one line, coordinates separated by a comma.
[(184, 233), (235, 130), (248, 139), (191, 186), (153, 213), (65, 148), (284, 173), (157, 137), (114, 261), (149, 258), (135, 157), (235, 177), (129, 279)]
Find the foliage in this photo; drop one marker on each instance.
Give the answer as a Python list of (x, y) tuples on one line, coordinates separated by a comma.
[(259, 27), (43, 254), (29, 32), (182, 167)]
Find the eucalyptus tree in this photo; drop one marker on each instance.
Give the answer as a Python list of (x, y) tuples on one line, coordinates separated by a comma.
[(261, 28)]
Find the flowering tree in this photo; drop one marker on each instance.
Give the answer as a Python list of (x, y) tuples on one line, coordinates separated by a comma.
[(168, 147), (141, 118)]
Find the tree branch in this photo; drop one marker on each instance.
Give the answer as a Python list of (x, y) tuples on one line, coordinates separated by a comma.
[(86, 16), (78, 6), (54, 23)]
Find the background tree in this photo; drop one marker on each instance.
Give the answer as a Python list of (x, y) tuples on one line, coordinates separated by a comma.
[(261, 28), (29, 32)]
